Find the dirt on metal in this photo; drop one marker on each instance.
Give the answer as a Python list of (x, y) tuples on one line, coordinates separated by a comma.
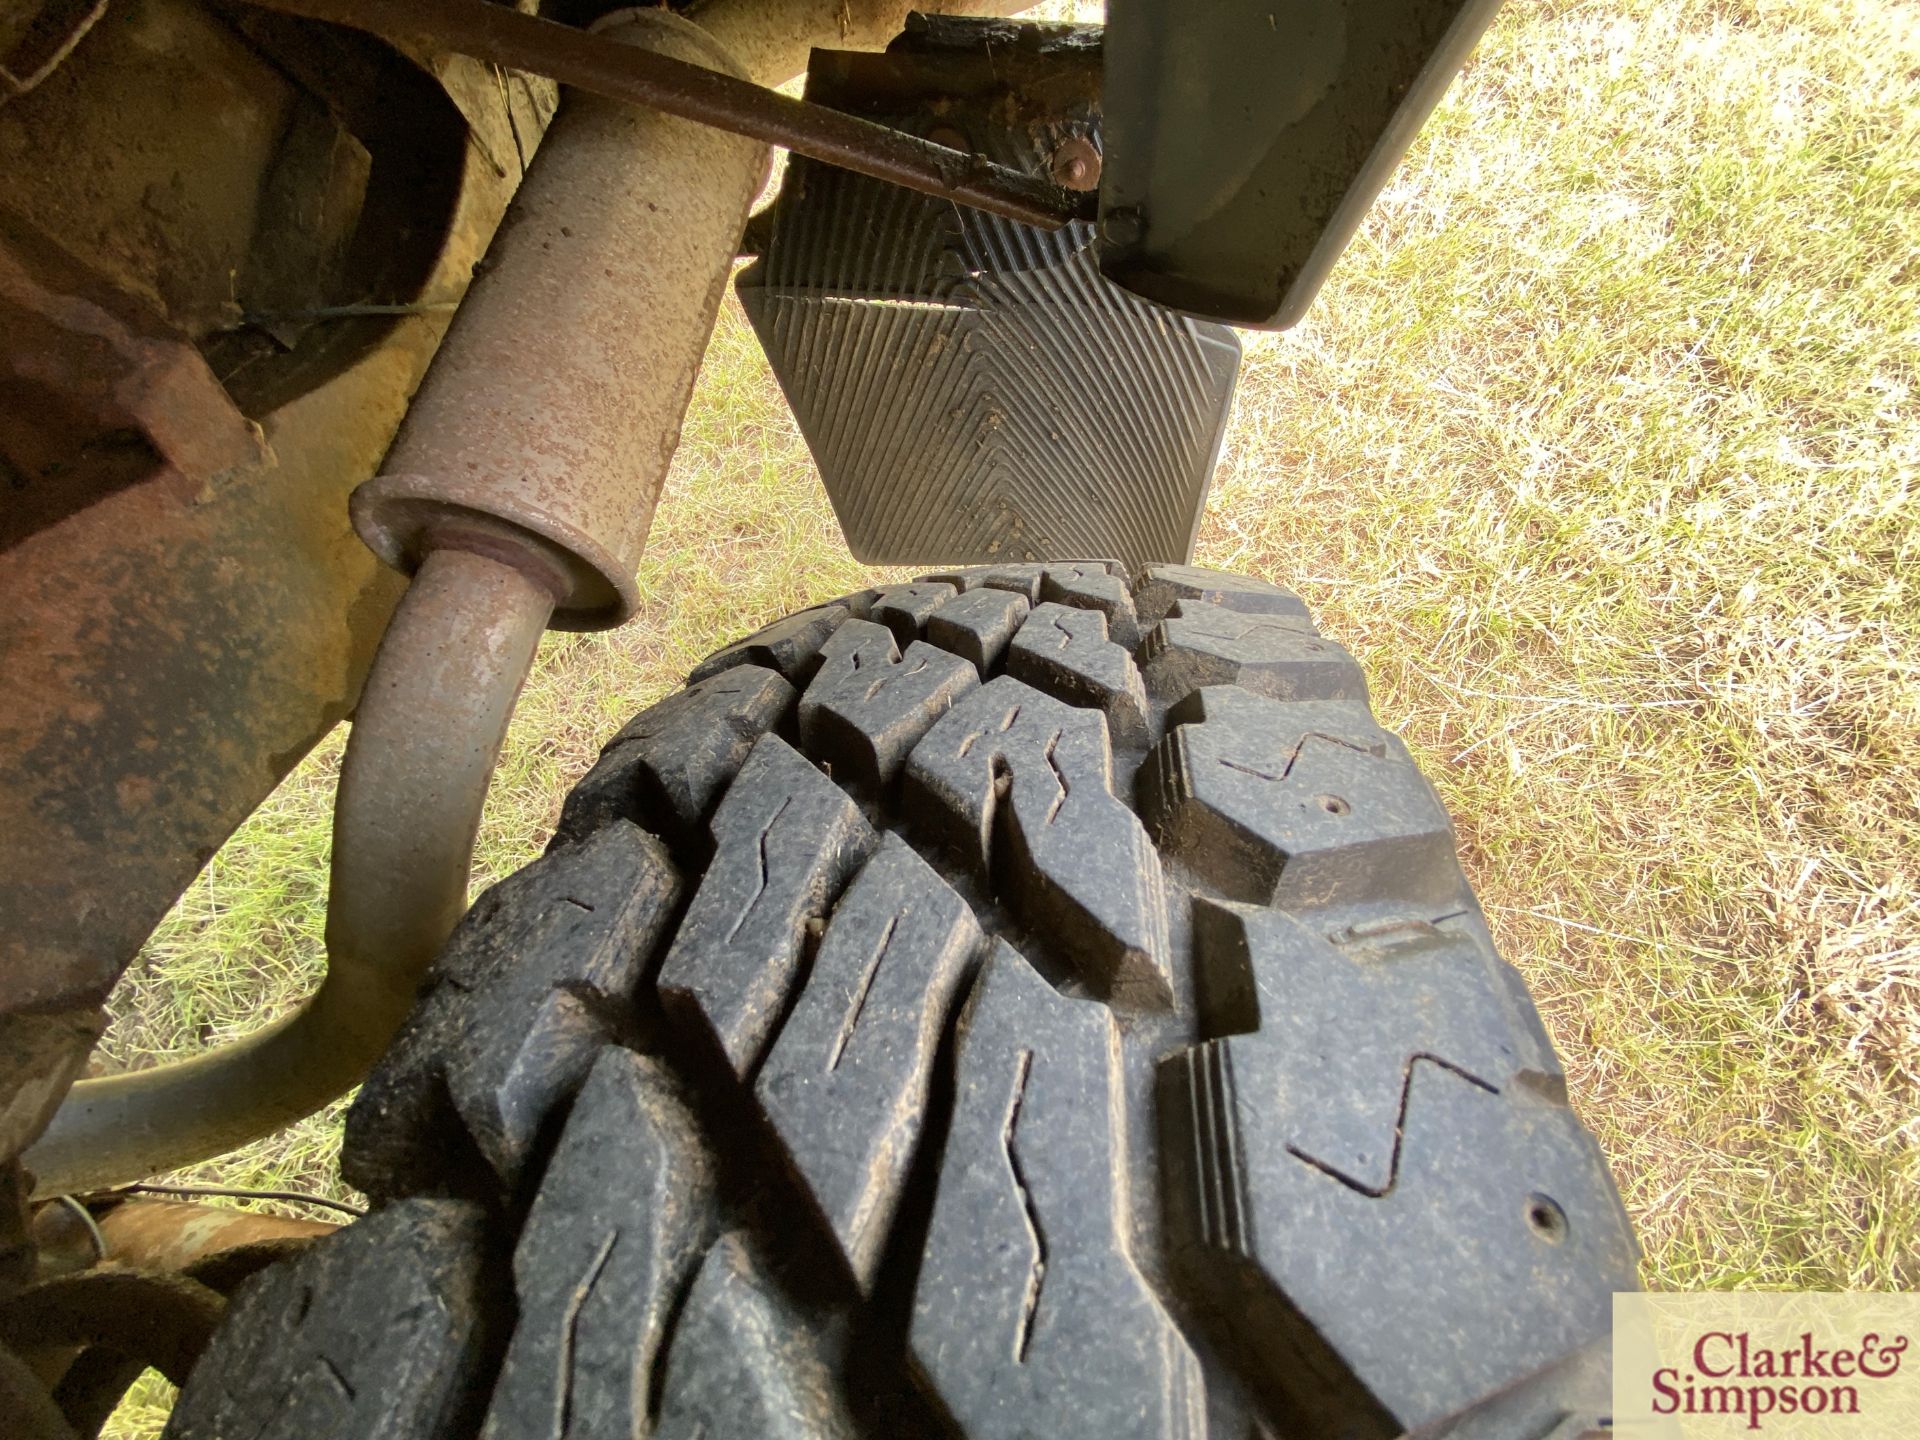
[(663, 82), (180, 1237), (555, 405)]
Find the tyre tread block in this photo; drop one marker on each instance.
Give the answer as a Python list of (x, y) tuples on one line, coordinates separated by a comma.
[(744, 1362), (1093, 585), (868, 704), (1569, 1400), (859, 603), (1337, 1087), (978, 625), (1161, 587), (539, 975), (1278, 656), (1029, 1315), (904, 609), (623, 1213), (380, 1333), (1019, 579), (1078, 862), (785, 840), (1302, 805), (1066, 652), (790, 645), (667, 767), (1402, 1147), (846, 1083)]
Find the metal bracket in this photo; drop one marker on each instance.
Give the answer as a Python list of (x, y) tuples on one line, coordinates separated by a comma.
[(1245, 141)]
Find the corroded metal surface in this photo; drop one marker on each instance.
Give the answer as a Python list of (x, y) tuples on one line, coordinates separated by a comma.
[(525, 475), (555, 406), (31, 1412), (427, 733), (189, 166), (42, 1053), (88, 366), (431, 721), (172, 1258), (505, 36), (163, 1320), (169, 654), (36, 35), (1076, 164), (772, 39), (175, 646), (174, 1235)]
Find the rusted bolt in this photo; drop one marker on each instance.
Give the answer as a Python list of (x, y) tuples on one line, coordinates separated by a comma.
[(1076, 164)]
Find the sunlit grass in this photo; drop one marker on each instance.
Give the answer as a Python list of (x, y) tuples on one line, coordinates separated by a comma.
[(1600, 449)]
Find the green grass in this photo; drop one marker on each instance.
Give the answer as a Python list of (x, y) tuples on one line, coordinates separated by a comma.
[(1600, 449)]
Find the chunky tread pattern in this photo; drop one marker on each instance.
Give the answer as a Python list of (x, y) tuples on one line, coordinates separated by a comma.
[(1163, 586), (1030, 1317), (1420, 1131), (1076, 860), (665, 770), (978, 625), (859, 604), (1092, 585), (623, 1214), (1278, 656), (1429, 999), (1066, 652), (868, 703), (785, 840), (379, 1334), (904, 609), (539, 975), (1019, 579), (1275, 1115), (1296, 805), (745, 1362), (790, 646), (845, 1085)]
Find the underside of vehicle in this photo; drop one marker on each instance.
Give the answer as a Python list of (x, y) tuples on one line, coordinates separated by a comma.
[(1033, 1000)]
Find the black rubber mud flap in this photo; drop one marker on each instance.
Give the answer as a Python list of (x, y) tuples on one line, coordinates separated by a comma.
[(940, 359)]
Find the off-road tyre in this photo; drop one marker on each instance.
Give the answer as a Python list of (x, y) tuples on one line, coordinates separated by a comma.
[(1016, 1004)]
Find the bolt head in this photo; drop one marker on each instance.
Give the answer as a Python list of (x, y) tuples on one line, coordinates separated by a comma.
[(1076, 164)]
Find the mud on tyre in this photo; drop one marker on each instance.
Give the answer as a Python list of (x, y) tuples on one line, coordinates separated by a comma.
[(1019, 1003)]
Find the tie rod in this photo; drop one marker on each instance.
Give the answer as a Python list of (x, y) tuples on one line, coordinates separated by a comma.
[(504, 36)]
